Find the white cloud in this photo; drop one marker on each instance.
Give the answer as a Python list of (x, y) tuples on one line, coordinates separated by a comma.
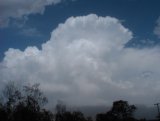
[(20, 8), (85, 62), (157, 28)]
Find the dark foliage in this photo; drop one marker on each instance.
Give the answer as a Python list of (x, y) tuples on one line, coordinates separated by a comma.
[(121, 111), (63, 115), (24, 105), (27, 105)]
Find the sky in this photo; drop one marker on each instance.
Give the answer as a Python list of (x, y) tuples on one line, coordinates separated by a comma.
[(83, 52)]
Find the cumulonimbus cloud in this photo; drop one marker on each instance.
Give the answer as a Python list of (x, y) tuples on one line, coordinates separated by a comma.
[(85, 62), (20, 8)]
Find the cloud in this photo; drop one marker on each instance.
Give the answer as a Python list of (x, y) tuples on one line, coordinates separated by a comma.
[(30, 32), (85, 63), (21, 8), (157, 28)]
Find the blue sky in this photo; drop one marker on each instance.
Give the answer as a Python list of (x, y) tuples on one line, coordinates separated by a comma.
[(84, 52), (138, 15)]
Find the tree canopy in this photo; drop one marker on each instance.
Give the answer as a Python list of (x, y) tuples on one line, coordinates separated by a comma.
[(120, 111), (27, 104), (23, 105)]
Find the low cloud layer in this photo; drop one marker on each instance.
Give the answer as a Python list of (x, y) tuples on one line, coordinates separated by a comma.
[(20, 8), (85, 63)]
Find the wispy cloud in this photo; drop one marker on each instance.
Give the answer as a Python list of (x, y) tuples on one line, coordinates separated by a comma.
[(20, 8), (30, 32)]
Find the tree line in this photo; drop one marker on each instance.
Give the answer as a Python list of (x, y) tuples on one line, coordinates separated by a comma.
[(28, 103)]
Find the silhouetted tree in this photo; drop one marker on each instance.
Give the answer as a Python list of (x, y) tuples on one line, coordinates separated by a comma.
[(89, 118), (60, 111), (60, 107), (71, 116), (24, 105), (101, 117), (121, 111), (3, 113), (27, 105), (63, 115)]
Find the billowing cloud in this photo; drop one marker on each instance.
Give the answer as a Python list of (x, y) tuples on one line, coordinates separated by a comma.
[(157, 28), (85, 62), (20, 8)]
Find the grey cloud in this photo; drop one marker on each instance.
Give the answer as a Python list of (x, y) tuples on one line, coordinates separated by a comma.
[(20, 8)]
